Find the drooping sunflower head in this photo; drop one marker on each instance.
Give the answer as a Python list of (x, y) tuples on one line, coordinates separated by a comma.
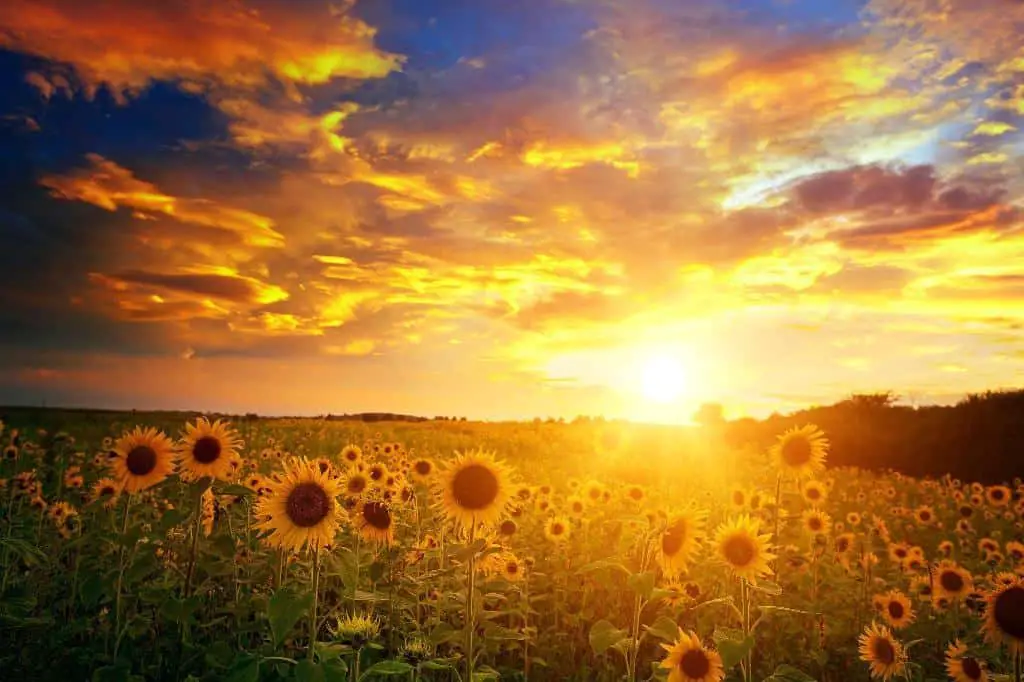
[(882, 652), (962, 667), (374, 521), (143, 458), (689, 661), (680, 540), (557, 529), (801, 451), (1004, 616), (301, 508), (207, 450), (474, 490), (742, 549)]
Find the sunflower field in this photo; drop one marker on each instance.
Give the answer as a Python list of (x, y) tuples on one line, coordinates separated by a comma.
[(333, 551)]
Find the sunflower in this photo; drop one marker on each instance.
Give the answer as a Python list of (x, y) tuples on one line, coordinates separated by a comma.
[(207, 450), (679, 541), (635, 493), (593, 492), (143, 458), (374, 521), (951, 581), (963, 668), (512, 569), (301, 507), (474, 490), (801, 451), (507, 528), (896, 609), (1004, 616), (106, 489), (817, 522), (742, 549), (814, 491), (689, 661), (422, 469), (883, 653), (738, 498), (576, 506), (355, 483), (853, 518), (557, 529), (351, 455), (998, 495), (377, 472), (925, 515), (844, 542)]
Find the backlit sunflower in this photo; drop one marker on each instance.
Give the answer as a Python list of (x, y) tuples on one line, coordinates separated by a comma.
[(301, 507), (951, 581), (689, 661), (474, 490), (801, 451), (924, 515), (679, 541), (207, 450), (575, 506), (740, 547), (511, 568), (738, 498), (998, 495), (896, 609), (814, 491), (593, 491), (422, 470), (817, 522), (963, 668), (142, 458), (374, 521), (557, 529), (881, 651), (355, 483), (351, 455), (107, 490), (1004, 616), (635, 493)]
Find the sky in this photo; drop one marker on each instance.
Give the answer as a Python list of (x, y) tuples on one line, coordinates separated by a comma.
[(509, 209)]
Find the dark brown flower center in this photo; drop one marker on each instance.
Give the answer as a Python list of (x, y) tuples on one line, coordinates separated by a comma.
[(206, 450), (883, 651), (106, 490), (636, 494), (422, 467), (695, 664), (557, 528), (324, 466), (813, 494), (966, 511), (356, 484), (507, 527), (997, 494), (673, 538), (692, 590), (307, 505), (738, 551), (1008, 612), (814, 523), (475, 487), (796, 451), (377, 514), (376, 472), (512, 568), (951, 581), (141, 460), (971, 668), (738, 498), (842, 544), (895, 610)]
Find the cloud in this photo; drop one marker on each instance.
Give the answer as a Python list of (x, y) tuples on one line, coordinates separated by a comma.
[(106, 184), (126, 45)]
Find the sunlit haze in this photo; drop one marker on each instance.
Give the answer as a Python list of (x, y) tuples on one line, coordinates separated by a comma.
[(509, 210)]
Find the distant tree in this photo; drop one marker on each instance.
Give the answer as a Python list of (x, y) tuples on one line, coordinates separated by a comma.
[(709, 415)]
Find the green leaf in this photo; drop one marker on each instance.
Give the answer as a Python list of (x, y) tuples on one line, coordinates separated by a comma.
[(787, 673), (308, 671), (467, 551), (335, 671), (443, 633), (601, 564), (234, 489), (246, 669), (642, 583), (284, 609), (387, 668), (767, 586), (732, 645), (664, 628), (603, 635)]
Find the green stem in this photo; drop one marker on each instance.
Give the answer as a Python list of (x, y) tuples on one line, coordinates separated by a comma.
[(1017, 667), (316, 599), (470, 612), (10, 531), (120, 575), (197, 530), (355, 579)]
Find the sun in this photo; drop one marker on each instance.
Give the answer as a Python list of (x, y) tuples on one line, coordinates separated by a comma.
[(663, 379)]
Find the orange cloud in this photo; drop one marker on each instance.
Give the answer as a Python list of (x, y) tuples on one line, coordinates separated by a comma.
[(127, 44), (107, 185)]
